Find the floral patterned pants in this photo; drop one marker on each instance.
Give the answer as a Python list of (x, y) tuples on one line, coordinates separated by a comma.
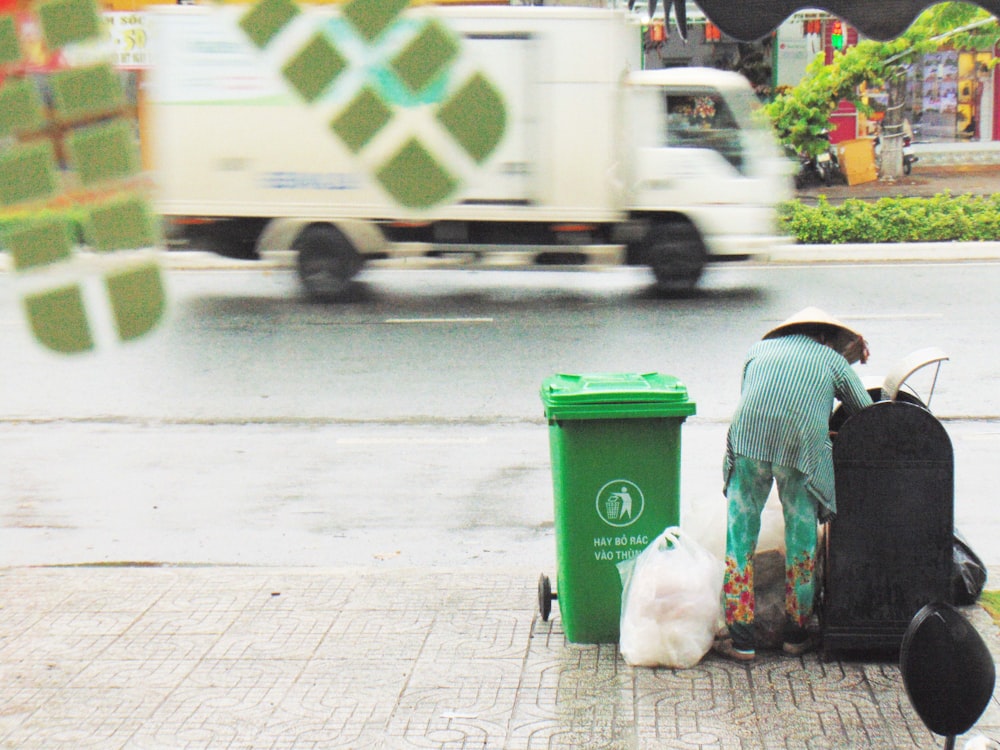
[(747, 491)]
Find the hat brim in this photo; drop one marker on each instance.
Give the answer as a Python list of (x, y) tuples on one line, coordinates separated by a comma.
[(811, 317)]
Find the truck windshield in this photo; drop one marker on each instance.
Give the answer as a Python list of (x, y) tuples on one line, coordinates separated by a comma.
[(704, 119)]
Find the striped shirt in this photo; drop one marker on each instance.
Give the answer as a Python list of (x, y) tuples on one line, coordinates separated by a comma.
[(788, 391)]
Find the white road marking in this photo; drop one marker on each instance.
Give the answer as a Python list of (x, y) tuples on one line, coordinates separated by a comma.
[(401, 440), (411, 321)]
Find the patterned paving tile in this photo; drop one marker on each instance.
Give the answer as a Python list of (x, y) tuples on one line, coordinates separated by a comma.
[(59, 624), (28, 674), (132, 674), (340, 703), (478, 634), (211, 658), (371, 635), (710, 705), (266, 635), (547, 719), (198, 716), (142, 647), (82, 718), (468, 714), (38, 649)]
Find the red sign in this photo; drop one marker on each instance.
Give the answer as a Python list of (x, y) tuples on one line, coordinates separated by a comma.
[(35, 56)]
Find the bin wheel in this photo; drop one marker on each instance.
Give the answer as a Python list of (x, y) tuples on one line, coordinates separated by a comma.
[(545, 597)]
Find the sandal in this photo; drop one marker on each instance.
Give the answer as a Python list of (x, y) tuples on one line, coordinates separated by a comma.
[(810, 643), (726, 648)]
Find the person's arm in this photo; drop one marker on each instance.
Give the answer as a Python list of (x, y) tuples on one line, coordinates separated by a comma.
[(851, 391)]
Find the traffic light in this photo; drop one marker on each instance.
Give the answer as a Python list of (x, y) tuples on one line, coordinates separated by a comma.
[(837, 35)]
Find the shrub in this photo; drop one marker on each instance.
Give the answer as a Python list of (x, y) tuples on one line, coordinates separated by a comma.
[(943, 218)]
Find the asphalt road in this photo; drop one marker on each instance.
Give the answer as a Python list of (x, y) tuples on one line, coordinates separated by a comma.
[(474, 346), (406, 428)]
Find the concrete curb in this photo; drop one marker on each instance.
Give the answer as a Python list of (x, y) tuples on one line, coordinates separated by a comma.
[(887, 252)]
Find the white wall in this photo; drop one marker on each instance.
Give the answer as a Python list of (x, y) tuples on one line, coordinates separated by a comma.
[(795, 52)]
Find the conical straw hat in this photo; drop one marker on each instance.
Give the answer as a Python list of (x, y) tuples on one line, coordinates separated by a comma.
[(810, 316)]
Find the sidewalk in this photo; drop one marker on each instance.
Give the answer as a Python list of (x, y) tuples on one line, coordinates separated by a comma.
[(223, 657), (925, 181), (450, 655)]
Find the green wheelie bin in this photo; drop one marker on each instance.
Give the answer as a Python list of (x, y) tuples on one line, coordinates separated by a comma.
[(615, 443)]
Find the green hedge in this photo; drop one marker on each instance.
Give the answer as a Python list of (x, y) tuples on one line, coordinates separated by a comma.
[(943, 218)]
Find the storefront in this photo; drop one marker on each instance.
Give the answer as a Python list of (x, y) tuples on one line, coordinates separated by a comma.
[(707, 46), (951, 96)]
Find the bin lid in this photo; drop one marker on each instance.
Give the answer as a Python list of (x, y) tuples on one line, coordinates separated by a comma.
[(603, 395), (909, 365)]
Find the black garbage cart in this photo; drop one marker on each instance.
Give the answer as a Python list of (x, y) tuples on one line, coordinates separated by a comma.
[(888, 551)]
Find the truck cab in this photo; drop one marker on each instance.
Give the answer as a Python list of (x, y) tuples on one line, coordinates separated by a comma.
[(702, 167)]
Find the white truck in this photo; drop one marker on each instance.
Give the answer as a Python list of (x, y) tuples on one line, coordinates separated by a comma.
[(478, 136)]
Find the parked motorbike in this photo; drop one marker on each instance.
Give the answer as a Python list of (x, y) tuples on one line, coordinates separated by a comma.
[(823, 166), (909, 157)]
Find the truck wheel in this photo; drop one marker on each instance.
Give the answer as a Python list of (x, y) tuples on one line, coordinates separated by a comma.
[(326, 262), (677, 256)]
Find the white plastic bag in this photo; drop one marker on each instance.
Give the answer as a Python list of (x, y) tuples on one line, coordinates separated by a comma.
[(671, 602), (979, 741)]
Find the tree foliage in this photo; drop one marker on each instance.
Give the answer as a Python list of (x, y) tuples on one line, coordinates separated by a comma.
[(801, 115)]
